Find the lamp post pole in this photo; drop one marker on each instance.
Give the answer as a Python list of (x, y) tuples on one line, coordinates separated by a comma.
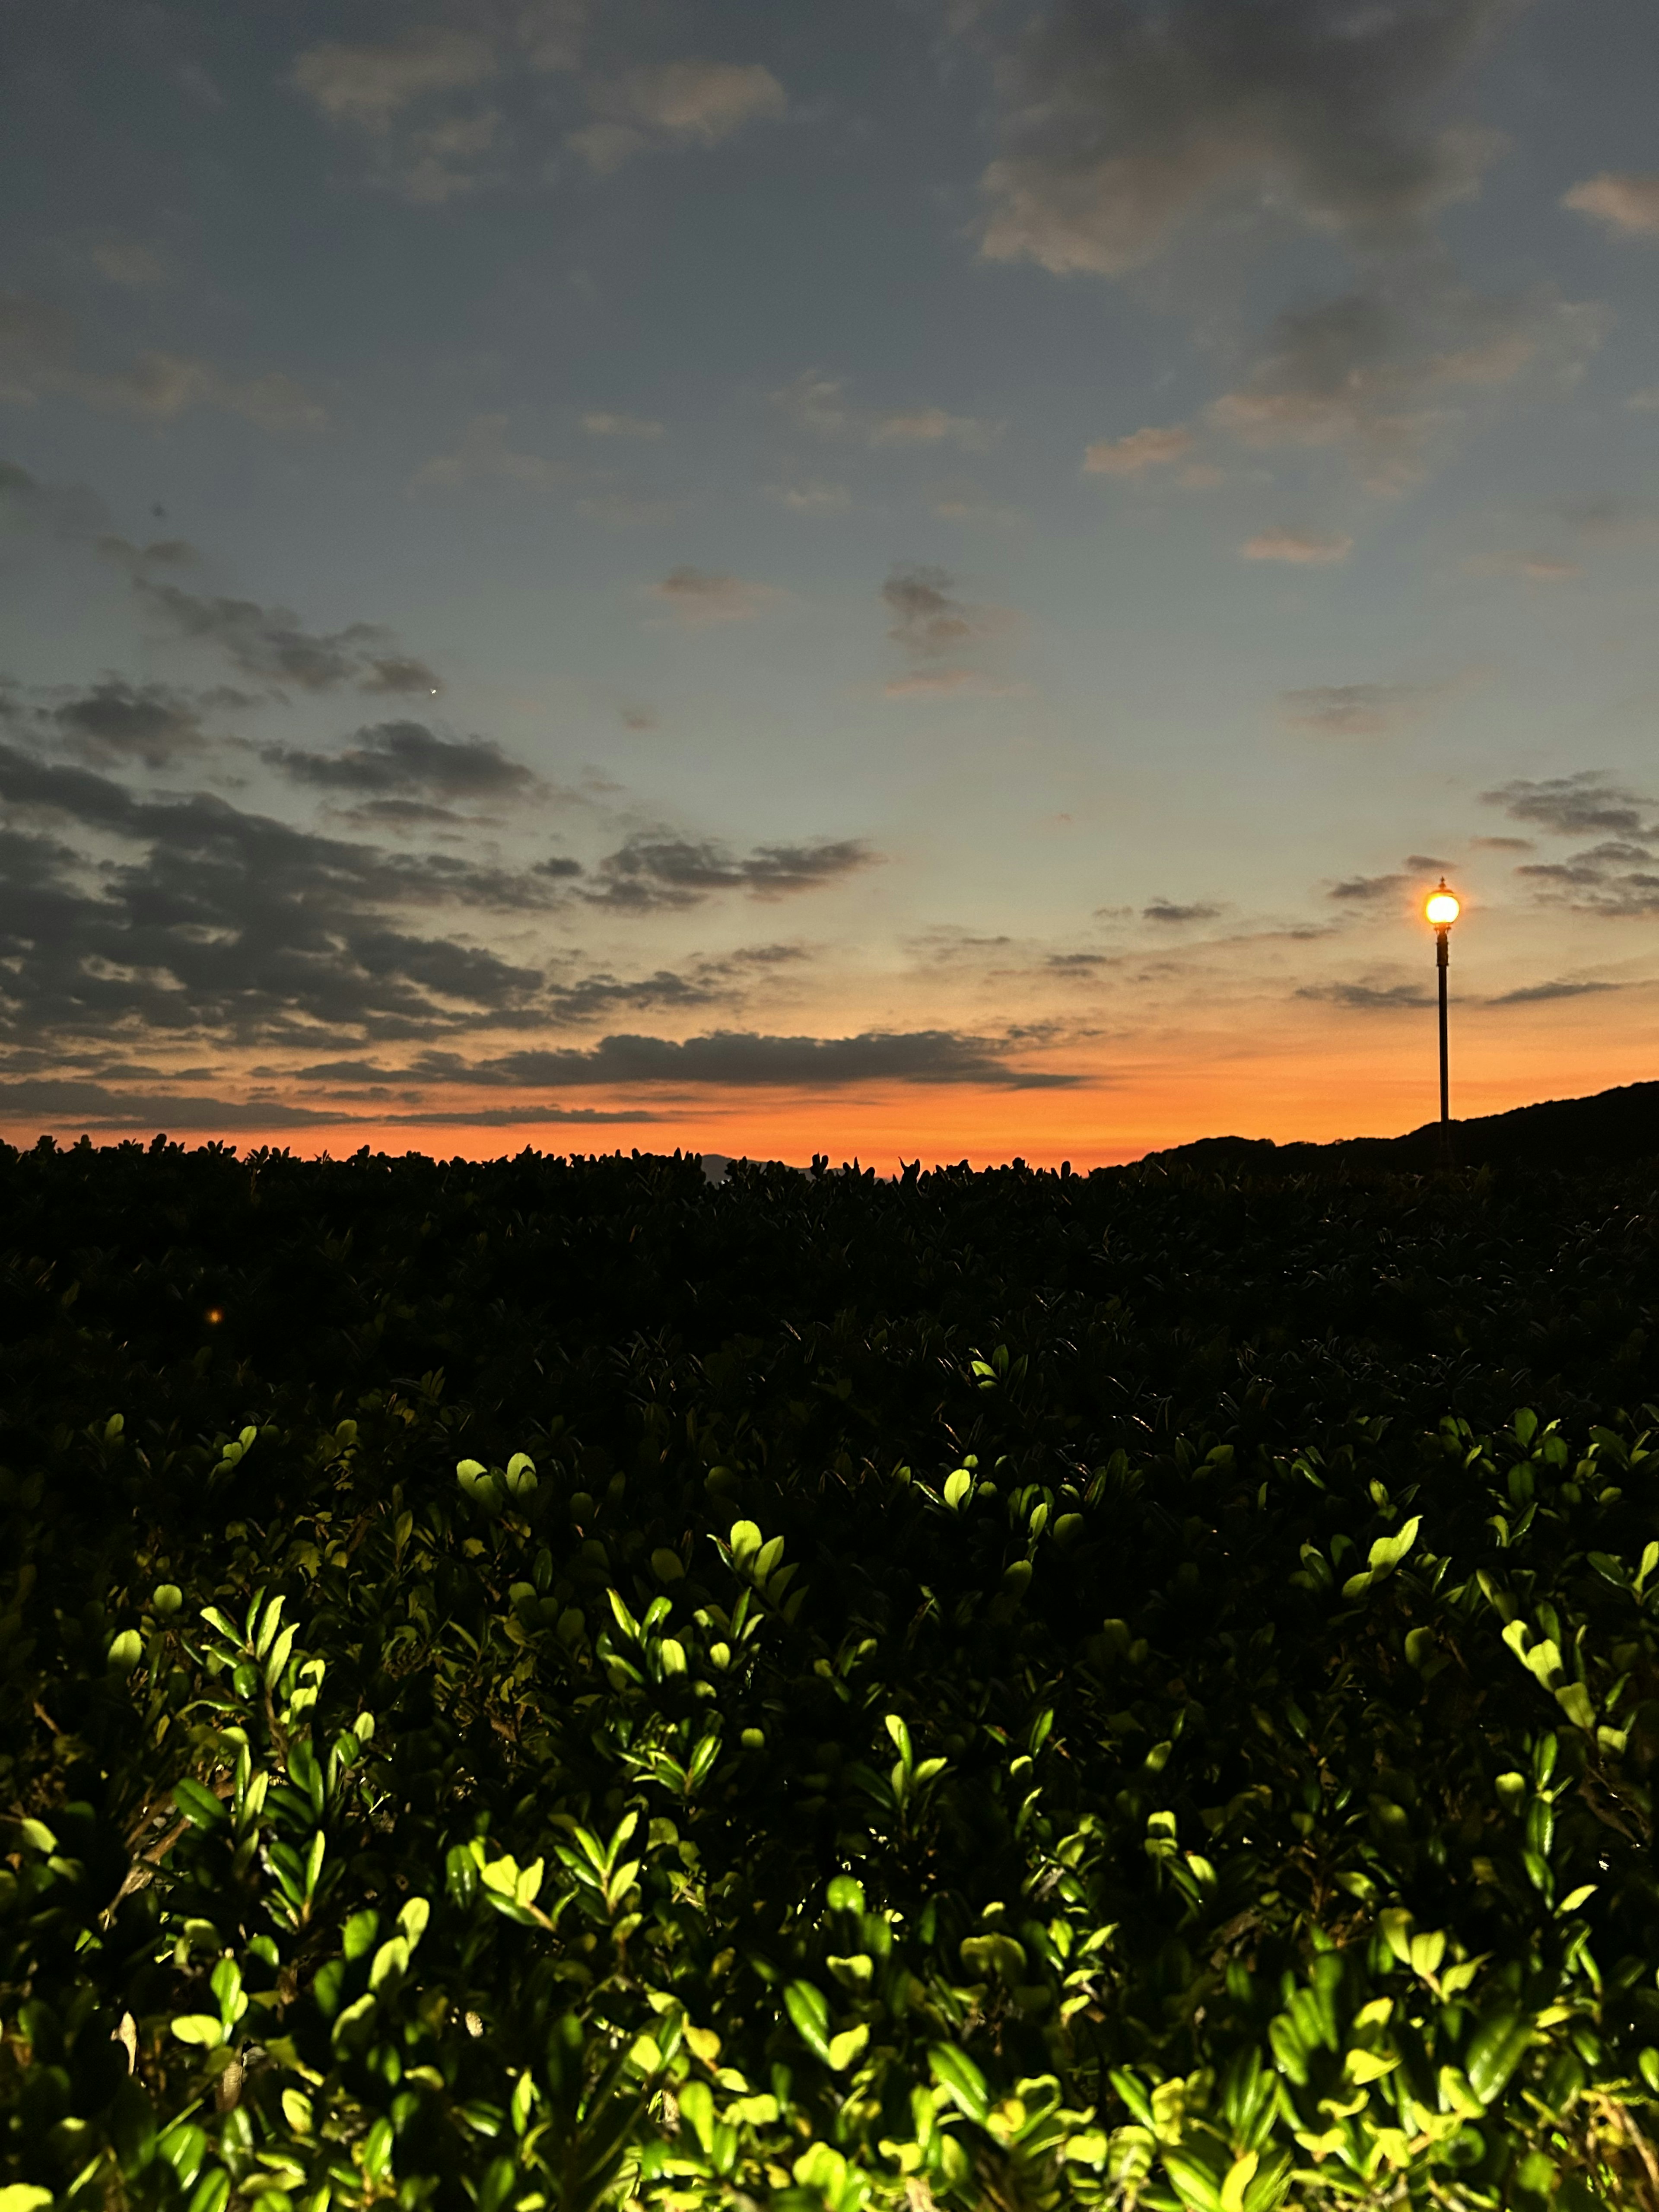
[(1443, 910), (1443, 961)]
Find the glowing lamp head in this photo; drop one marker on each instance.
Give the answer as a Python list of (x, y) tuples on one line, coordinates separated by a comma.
[(1442, 909)]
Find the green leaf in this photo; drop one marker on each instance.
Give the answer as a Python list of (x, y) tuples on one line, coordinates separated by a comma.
[(199, 2027), (957, 1487), (845, 2048), (745, 1540), (955, 2072), (1499, 2045), (1387, 1552), (24, 2197), (810, 2011), (200, 1806), (1574, 1700)]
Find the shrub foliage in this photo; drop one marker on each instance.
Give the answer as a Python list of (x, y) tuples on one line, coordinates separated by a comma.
[(701, 1743)]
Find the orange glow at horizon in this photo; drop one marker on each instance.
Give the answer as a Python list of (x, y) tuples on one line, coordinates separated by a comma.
[(1325, 1076)]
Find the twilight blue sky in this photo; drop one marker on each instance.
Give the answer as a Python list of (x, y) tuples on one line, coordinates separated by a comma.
[(925, 575)]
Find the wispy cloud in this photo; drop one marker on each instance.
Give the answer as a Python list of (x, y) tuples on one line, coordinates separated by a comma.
[(699, 596), (601, 424), (819, 404), (41, 352), (650, 871), (1359, 710), (272, 644), (665, 105), (1134, 455), (1306, 549), (484, 456), (1627, 204)]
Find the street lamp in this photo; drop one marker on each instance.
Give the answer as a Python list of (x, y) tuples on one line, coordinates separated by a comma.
[(1442, 910)]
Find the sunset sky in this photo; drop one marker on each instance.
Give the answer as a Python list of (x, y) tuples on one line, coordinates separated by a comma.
[(906, 578)]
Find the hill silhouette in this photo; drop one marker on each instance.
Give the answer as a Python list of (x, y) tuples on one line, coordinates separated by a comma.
[(1606, 1129)]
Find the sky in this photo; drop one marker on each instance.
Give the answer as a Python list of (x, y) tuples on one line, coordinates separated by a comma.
[(919, 579)]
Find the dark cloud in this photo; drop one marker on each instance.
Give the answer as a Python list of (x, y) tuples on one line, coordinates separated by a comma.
[(400, 759), (1166, 910), (699, 596), (1385, 373), (1618, 875), (231, 926), (67, 1105), (1370, 998), (1535, 994), (670, 871), (744, 1060), (272, 644), (116, 723), (1367, 889), (1120, 122), (1600, 881), (1586, 804), (928, 619), (94, 1106)]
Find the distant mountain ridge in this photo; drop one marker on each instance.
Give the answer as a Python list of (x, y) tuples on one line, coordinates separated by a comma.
[(1606, 1129)]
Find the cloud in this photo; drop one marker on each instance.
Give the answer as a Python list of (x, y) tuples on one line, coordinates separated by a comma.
[(929, 619), (811, 497), (87, 1105), (372, 89), (1356, 710), (1618, 875), (124, 261), (654, 871), (1386, 372), (1586, 804), (369, 86), (397, 759), (818, 404), (1627, 204), (1368, 889), (1536, 567), (115, 723), (1165, 910), (1134, 455), (672, 104), (946, 684), (1121, 123), (1646, 401), (932, 426), (698, 596), (602, 425), (1304, 548), (743, 1060), (1371, 998), (1539, 994), (40, 354), (186, 919), (622, 510), (272, 644), (483, 456)]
